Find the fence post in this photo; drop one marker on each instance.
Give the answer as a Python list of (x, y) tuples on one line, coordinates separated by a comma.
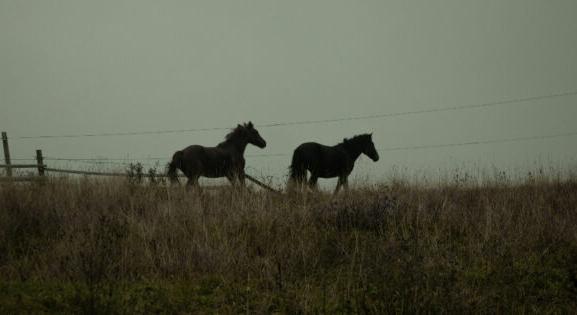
[(6, 153), (40, 162)]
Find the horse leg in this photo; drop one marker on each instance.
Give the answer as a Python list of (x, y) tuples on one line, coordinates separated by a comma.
[(235, 179), (237, 182), (346, 184), (337, 188), (242, 182), (340, 183), (241, 179), (301, 181), (192, 183), (313, 182)]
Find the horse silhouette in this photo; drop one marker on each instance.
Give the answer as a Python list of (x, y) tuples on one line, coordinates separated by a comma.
[(224, 160), (329, 161)]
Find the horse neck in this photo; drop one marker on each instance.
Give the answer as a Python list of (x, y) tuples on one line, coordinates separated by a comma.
[(237, 145), (352, 149)]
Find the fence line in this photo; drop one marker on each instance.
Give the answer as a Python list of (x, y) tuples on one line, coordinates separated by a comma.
[(136, 160), (77, 172), (386, 149), (477, 142), (42, 168), (319, 121), (56, 170), (64, 171), (261, 184), (8, 166)]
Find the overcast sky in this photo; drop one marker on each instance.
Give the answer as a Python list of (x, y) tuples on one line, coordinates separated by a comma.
[(76, 67)]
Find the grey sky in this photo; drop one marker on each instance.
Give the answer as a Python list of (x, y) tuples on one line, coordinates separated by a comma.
[(73, 66)]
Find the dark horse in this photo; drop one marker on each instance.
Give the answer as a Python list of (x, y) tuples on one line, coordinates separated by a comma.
[(224, 160), (326, 162)]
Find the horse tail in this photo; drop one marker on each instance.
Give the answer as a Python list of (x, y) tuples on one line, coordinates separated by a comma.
[(173, 166), (298, 171)]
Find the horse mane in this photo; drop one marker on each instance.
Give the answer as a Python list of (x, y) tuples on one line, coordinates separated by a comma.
[(238, 130), (358, 139), (234, 132)]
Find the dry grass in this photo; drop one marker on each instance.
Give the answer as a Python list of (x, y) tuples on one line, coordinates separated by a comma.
[(106, 246)]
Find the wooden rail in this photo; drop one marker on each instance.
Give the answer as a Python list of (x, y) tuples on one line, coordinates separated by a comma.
[(20, 179), (261, 184), (42, 168), (8, 166), (57, 170), (20, 165), (145, 175)]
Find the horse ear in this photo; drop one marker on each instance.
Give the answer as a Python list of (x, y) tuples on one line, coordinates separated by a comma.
[(250, 124)]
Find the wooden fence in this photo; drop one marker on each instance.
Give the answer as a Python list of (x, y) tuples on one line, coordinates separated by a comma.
[(43, 169), (8, 166)]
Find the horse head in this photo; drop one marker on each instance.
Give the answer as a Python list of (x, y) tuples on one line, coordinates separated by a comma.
[(252, 135), (369, 148)]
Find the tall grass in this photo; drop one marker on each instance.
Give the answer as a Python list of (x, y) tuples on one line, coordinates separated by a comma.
[(109, 246)]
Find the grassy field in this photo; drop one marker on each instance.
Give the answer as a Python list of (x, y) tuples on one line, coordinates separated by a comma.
[(108, 246)]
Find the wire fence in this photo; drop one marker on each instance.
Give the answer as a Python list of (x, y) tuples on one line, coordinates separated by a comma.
[(520, 100), (133, 160), (42, 169), (156, 161)]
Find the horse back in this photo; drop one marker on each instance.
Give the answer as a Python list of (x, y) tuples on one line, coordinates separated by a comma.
[(325, 161), (210, 161)]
